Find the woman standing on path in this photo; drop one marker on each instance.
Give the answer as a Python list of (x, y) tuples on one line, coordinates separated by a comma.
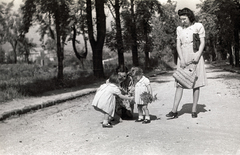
[(186, 56)]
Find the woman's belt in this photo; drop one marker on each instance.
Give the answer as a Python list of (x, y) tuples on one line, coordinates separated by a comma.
[(186, 44)]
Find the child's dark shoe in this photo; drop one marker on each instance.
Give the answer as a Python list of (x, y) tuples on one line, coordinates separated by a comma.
[(107, 125), (146, 121), (139, 120)]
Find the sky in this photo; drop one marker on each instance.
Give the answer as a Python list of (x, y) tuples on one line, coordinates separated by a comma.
[(191, 4)]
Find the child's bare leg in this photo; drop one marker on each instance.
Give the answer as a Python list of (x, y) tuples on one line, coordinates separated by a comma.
[(106, 123), (147, 116), (140, 112), (105, 119), (146, 111)]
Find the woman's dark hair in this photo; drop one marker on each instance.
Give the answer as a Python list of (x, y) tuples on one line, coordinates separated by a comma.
[(114, 79), (187, 12)]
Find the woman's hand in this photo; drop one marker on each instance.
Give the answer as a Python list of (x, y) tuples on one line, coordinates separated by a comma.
[(196, 58), (182, 64)]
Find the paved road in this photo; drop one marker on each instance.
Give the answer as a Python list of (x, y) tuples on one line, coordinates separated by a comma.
[(73, 127)]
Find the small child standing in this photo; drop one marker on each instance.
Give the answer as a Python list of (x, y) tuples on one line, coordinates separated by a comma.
[(105, 99), (142, 85)]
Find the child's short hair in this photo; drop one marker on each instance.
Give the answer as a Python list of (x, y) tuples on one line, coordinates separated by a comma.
[(130, 73), (114, 79), (122, 68), (137, 71)]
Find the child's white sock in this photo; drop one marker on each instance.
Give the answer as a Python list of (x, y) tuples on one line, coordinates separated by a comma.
[(147, 117), (105, 121), (140, 117)]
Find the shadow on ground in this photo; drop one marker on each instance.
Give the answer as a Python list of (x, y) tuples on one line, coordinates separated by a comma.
[(135, 117), (187, 109)]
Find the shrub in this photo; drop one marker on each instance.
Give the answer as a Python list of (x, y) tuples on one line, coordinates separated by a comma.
[(24, 80)]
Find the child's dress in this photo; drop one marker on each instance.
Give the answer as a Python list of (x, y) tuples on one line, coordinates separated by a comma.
[(140, 87), (185, 35), (105, 98)]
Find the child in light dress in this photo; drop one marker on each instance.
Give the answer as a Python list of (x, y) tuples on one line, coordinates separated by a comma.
[(105, 99), (142, 85)]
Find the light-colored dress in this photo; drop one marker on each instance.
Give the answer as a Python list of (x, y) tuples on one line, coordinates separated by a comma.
[(185, 35), (140, 87), (105, 98)]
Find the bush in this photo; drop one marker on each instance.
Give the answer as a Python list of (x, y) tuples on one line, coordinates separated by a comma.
[(24, 80)]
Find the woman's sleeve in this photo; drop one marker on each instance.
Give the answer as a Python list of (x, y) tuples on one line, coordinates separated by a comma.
[(178, 32), (200, 30)]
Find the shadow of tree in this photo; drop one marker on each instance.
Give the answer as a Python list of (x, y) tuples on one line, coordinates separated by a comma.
[(187, 108)]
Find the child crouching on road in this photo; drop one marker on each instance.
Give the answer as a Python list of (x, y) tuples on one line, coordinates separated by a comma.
[(105, 99)]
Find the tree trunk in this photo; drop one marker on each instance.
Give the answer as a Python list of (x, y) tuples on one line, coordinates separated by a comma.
[(119, 34), (229, 48), (14, 46), (97, 46), (236, 47), (213, 48), (59, 49), (146, 47), (27, 50), (134, 37)]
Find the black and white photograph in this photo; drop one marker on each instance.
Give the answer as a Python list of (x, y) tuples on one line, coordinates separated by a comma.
[(119, 77)]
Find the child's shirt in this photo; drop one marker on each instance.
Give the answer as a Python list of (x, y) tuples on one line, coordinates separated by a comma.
[(140, 87)]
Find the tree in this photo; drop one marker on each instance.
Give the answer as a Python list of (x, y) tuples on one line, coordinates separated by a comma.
[(118, 34), (79, 25), (164, 32), (129, 31), (2, 55), (97, 44), (133, 35), (2, 22), (25, 47), (145, 10), (11, 24), (227, 14), (58, 10)]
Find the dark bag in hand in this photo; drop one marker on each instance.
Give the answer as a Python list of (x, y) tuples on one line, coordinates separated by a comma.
[(196, 42)]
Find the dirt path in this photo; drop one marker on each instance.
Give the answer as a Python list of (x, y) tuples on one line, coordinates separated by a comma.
[(73, 128)]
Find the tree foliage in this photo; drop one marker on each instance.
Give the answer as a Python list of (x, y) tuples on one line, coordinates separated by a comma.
[(117, 28), (79, 27), (48, 14), (145, 12), (164, 32), (221, 18)]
